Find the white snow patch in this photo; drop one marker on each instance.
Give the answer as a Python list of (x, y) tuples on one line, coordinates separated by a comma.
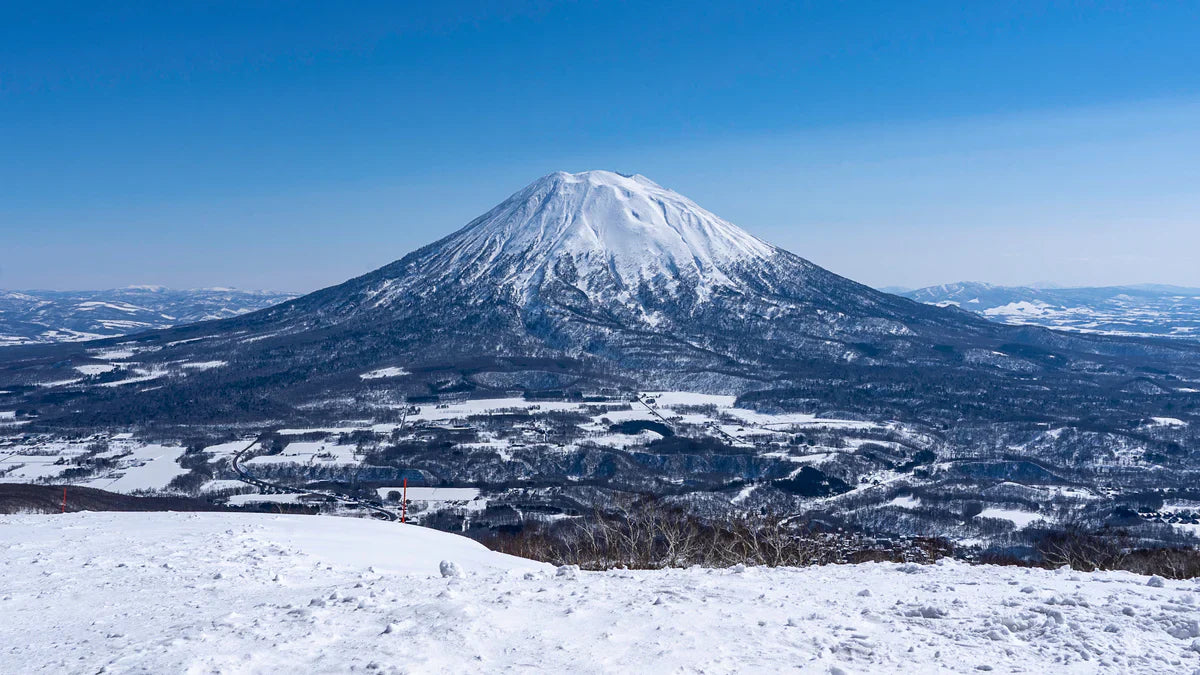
[(432, 494), (142, 375), (312, 453), (95, 368), (1021, 519), (204, 365), (149, 467), (93, 304), (60, 383), (112, 354), (243, 500), (219, 485), (906, 502), (1024, 308), (384, 372)]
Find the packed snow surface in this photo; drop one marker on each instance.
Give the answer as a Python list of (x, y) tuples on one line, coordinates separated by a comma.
[(259, 593)]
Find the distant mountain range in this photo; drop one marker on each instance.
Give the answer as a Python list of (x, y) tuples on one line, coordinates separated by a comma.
[(37, 317), (1143, 310)]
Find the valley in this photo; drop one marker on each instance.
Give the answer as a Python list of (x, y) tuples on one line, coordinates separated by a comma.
[(485, 465)]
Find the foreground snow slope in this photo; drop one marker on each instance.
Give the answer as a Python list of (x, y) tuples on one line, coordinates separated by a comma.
[(239, 593)]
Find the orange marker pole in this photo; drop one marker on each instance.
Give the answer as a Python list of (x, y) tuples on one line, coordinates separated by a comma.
[(64, 509), (403, 504)]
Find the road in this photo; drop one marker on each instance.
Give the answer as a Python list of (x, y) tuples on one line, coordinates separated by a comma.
[(345, 500), (729, 438)]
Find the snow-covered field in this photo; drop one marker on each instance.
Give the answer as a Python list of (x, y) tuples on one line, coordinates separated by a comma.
[(137, 466), (243, 593), (144, 465), (739, 426)]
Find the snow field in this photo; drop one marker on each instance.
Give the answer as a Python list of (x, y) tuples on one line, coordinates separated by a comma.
[(384, 373), (248, 593), (432, 494), (150, 467), (140, 466), (750, 424), (1017, 517), (311, 453)]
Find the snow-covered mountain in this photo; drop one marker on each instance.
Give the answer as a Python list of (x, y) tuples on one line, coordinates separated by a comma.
[(34, 317), (574, 294), (593, 264), (1145, 310), (604, 233), (614, 247), (581, 282)]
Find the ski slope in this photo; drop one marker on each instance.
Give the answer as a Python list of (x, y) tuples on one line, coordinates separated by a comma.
[(242, 593)]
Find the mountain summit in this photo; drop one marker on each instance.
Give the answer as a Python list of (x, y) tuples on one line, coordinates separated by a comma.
[(575, 260), (600, 231), (581, 281), (602, 234)]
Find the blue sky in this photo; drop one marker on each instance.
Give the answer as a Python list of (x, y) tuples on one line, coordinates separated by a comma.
[(291, 145)]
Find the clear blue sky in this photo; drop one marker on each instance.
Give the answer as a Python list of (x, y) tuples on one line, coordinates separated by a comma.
[(291, 145)]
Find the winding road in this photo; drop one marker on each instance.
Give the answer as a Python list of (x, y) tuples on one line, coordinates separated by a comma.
[(246, 477)]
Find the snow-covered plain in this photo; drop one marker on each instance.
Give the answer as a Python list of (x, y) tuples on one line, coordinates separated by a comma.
[(384, 373), (246, 593), (136, 466), (149, 466)]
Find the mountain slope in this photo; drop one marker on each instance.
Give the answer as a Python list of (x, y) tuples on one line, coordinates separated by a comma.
[(1147, 310), (585, 281), (34, 317)]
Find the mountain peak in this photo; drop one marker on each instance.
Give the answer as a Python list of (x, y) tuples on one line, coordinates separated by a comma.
[(603, 230), (605, 235), (596, 178)]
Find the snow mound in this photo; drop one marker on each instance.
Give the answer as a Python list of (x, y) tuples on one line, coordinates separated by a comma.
[(261, 593)]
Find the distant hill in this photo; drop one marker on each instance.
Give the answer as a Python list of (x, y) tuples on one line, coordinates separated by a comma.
[(39, 317), (1145, 310)]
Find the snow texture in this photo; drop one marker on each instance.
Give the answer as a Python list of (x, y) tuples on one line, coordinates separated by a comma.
[(384, 373), (259, 593), (611, 231)]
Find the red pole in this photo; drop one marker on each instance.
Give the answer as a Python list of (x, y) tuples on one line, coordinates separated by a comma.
[(64, 509), (404, 504)]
